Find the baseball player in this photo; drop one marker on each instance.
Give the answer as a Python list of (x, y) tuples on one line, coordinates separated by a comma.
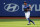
[(27, 9)]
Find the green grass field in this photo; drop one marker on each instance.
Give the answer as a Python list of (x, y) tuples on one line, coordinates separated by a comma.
[(18, 23)]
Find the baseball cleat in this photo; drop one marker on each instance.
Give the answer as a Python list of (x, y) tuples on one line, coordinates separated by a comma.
[(28, 23)]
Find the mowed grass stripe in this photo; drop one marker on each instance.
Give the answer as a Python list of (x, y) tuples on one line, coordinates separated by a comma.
[(18, 23)]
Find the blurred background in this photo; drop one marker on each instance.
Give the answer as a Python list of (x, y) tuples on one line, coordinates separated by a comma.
[(15, 7)]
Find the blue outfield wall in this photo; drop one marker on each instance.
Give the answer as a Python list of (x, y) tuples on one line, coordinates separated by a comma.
[(15, 7)]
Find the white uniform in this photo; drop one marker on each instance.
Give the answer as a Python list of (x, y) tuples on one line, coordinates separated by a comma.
[(27, 14)]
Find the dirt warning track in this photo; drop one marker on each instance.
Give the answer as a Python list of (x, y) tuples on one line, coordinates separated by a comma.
[(19, 18)]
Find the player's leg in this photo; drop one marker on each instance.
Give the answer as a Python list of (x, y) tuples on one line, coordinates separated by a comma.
[(31, 21), (27, 15)]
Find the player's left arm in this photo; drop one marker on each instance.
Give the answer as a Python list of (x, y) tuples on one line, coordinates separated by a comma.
[(30, 7)]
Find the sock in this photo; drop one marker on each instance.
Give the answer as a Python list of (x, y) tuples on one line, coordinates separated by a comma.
[(29, 20)]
